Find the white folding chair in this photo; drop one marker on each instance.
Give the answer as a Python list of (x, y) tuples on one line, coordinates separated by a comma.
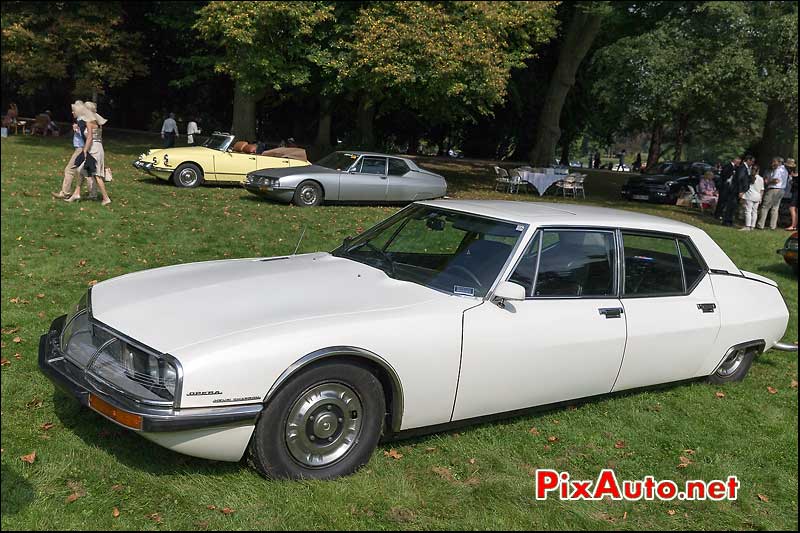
[(567, 184), (516, 181), (578, 185), (502, 181)]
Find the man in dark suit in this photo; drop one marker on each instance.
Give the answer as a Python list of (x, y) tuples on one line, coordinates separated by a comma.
[(737, 185), (725, 177)]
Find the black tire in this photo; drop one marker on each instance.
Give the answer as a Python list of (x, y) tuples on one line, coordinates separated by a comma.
[(187, 175), (728, 373), (271, 452), (308, 194)]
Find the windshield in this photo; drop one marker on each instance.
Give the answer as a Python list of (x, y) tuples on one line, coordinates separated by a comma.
[(338, 160), (218, 142), (457, 253)]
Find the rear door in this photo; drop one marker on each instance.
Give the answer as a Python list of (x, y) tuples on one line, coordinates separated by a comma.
[(670, 309), (366, 181)]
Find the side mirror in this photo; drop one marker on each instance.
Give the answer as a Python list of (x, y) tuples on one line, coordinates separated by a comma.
[(508, 290)]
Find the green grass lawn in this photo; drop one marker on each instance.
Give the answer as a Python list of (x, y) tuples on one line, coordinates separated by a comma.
[(475, 478)]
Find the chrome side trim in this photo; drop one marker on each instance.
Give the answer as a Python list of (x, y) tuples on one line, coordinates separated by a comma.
[(784, 347), (324, 353)]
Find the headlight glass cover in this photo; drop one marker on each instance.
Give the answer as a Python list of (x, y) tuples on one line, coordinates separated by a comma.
[(138, 374)]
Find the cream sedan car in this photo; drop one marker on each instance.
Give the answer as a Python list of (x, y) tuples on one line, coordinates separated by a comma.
[(445, 313)]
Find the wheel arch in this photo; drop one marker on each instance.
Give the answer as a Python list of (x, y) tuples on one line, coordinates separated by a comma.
[(392, 387)]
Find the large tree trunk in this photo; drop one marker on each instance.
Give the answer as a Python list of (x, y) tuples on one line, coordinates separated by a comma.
[(565, 152), (322, 144), (654, 152), (780, 131), (365, 118), (244, 114), (582, 30), (680, 134)]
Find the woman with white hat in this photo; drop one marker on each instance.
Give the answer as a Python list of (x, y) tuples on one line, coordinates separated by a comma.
[(93, 164), (78, 142)]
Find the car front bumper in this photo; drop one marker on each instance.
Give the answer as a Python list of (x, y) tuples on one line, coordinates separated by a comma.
[(220, 433), (281, 194), (152, 170), (648, 194)]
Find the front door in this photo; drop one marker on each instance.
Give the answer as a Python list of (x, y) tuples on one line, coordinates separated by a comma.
[(234, 166), (367, 181), (564, 341)]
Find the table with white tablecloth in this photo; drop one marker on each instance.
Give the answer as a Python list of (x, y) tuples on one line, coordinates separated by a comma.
[(542, 179)]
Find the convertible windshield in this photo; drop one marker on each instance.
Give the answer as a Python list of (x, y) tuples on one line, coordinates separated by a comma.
[(458, 253), (218, 142), (338, 160)]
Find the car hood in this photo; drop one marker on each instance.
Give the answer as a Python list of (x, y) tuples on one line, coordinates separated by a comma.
[(283, 172), (172, 307)]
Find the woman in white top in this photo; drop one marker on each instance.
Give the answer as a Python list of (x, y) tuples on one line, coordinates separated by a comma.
[(191, 131), (752, 199)]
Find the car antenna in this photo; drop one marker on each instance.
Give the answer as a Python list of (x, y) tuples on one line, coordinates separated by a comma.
[(299, 241)]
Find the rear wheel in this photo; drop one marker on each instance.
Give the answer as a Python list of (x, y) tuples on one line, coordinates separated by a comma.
[(323, 423), (308, 194), (187, 175), (735, 366)]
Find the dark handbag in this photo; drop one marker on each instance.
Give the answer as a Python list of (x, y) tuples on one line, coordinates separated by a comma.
[(90, 165), (79, 160)]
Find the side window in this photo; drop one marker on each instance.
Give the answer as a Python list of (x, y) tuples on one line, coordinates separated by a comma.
[(652, 266), (373, 165), (397, 167), (692, 267)]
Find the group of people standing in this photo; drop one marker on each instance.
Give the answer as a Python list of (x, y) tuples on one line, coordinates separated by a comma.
[(88, 157), (169, 131), (743, 187)]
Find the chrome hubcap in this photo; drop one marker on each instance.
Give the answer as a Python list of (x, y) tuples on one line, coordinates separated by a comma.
[(323, 424), (731, 364), (188, 177), (308, 194)]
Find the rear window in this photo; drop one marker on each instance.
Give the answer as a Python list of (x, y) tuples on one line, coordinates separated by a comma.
[(397, 167)]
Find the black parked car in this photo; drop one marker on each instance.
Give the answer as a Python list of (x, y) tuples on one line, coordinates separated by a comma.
[(663, 182)]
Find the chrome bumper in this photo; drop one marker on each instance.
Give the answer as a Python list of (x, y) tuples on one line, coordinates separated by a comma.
[(71, 380), (785, 347), (152, 170)]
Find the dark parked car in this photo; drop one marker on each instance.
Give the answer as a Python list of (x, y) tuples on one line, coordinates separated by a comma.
[(663, 182)]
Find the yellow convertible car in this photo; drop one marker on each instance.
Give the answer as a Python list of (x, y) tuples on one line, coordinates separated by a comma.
[(220, 158)]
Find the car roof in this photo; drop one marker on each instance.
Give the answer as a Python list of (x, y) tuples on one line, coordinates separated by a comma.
[(408, 161), (538, 214)]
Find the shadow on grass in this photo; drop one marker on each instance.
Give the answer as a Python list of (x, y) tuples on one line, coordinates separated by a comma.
[(127, 447), (17, 493)]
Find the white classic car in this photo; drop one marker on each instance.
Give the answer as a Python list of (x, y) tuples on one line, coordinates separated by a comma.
[(444, 313)]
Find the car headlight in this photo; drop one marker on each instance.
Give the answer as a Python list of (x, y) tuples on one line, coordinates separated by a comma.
[(670, 184)]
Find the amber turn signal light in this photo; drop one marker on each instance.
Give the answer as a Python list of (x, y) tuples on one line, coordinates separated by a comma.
[(123, 417)]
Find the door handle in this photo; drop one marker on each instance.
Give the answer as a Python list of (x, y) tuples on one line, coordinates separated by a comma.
[(253, 158), (384, 177), (611, 312), (707, 308)]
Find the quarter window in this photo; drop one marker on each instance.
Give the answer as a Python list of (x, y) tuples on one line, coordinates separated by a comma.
[(568, 263), (397, 167), (373, 165), (652, 266), (693, 269)]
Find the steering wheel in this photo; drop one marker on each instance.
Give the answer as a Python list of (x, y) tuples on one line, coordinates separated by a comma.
[(469, 273)]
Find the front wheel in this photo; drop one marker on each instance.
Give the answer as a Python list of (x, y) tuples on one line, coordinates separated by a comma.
[(734, 367), (187, 175), (308, 194), (324, 423)]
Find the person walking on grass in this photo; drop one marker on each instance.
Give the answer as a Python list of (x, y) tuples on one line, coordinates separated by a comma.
[(752, 198), (169, 131), (774, 185), (78, 142), (791, 192), (92, 160)]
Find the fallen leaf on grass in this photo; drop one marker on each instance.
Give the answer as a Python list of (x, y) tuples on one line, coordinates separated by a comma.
[(226, 510), (471, 461), (9, 331), (719, 394), (552, 438), (762, 498), (793, 384), (211, 507), (17, 339), (394, 454), (688, 452), (444, 473), (117, 488), (399, 514), (472, 481), (40, 295), (619, 444), (430, 450), (92, 283), (685, 461), (115, 513), (4, 362), (30, 458), (35, 403), (77, 491), (155, 517), (533, 431), (47, 426), (772, 390), (671, 512), (625, 515)]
